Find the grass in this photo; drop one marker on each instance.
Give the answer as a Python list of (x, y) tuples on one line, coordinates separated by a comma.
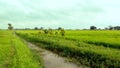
[(6, 50), (89, 54), (14, 53)]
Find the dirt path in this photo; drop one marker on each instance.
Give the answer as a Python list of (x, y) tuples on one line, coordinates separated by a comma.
[(52, 60)]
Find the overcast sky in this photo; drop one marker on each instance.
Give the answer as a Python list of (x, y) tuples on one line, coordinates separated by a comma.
[(63, 13)]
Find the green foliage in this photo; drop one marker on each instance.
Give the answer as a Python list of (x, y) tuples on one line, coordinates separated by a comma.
[(10, 27)]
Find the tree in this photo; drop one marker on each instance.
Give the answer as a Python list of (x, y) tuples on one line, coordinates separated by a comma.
[(36, 28), (59, 28), (41, 28), (106, 28), (10, 27), (116, 28), (9, 24), (93, 28), (111, 27)]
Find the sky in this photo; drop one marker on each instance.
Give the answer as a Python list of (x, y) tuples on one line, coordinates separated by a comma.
[(69, 14)]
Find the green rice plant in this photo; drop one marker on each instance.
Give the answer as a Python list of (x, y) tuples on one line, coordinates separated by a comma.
[(23, 57), (6, 50), (14, 53), (104, 38), (88, 54)]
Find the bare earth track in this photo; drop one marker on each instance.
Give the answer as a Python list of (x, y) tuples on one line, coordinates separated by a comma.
[(52, 60)]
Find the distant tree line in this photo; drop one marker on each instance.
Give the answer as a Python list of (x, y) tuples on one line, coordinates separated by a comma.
[(50, 30), (41, 30), (106, 28)]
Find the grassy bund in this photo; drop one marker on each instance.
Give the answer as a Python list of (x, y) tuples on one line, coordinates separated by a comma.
[(96, 49), (14, 53)]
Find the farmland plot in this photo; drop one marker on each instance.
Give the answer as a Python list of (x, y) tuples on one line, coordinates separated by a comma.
[(75, 45)]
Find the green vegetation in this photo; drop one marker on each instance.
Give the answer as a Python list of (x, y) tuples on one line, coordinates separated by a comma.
[(6, 50), (100, 38), (14, 53), (75, 44), (10, 27)]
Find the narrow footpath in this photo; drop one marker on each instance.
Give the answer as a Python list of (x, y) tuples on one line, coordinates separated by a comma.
[(52, 60)]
